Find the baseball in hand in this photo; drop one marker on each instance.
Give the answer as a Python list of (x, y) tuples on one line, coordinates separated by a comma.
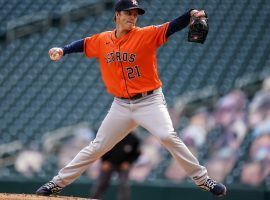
[(55, 53)]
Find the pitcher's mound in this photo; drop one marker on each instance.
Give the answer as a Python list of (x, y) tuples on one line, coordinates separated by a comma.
[(4, 196)]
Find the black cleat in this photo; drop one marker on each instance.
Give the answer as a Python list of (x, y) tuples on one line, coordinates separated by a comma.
[(48, 188), (214, 187)]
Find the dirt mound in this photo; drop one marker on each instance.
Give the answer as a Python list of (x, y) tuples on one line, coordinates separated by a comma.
[(4, 196)]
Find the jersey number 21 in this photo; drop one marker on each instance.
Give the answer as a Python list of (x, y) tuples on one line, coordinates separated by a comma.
[(133, 72)]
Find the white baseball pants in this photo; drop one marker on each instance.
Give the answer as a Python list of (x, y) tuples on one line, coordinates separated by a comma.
[(149, 112)]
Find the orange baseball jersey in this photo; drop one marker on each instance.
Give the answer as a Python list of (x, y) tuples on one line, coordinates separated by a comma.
[(128, 64)]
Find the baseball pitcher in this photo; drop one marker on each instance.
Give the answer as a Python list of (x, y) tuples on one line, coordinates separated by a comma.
[(128, 64)]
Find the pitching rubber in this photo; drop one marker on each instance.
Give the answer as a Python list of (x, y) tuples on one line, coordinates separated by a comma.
[(4, 196)]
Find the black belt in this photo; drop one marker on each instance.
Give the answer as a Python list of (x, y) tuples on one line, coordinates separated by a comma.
[(139, 95)]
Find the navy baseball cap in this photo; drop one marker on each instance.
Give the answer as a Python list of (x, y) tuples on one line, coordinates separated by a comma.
[(123, 5)]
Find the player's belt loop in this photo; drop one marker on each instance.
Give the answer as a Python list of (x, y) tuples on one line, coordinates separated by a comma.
[(144, 94)]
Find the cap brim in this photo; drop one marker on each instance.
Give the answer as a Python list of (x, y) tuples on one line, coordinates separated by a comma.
[(140, 10)]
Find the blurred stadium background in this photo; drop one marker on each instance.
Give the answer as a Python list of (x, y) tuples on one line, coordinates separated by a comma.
[(217, 93)]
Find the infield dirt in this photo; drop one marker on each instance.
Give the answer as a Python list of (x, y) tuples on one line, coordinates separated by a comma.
[(4, 196)]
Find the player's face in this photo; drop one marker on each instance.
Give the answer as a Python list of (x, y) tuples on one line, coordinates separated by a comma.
[(127, 19)]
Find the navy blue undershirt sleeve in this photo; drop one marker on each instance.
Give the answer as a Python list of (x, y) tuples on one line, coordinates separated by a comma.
[(74, 47), (178, 24)]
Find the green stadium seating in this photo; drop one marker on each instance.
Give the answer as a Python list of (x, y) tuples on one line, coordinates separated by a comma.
[(38, 96)]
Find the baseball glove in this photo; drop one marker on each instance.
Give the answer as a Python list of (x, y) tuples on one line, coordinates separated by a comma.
[(198, 29)]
